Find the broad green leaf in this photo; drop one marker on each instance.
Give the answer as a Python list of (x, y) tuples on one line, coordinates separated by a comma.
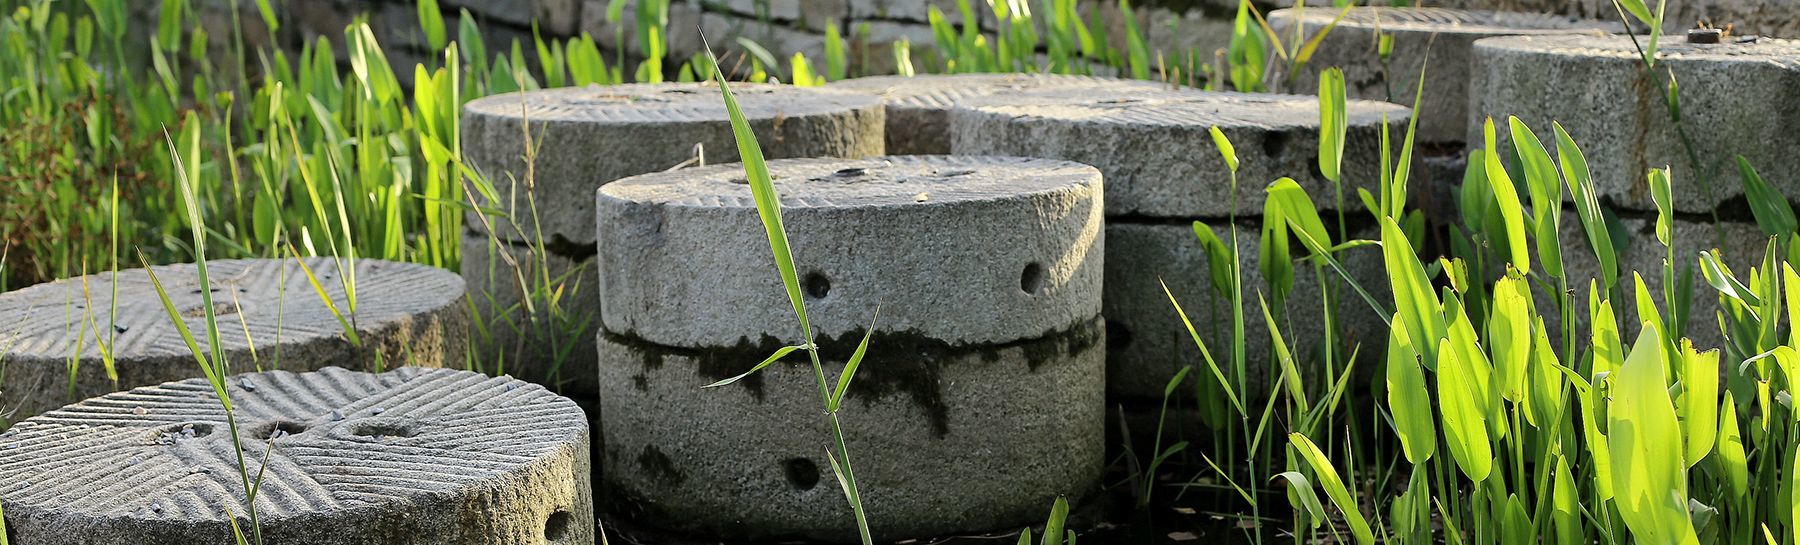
[(1510, 335), (1545, 188), (1609, 348), (1053, 526), (1414, 300), (1331, 123), (1731, 459), (431, 20), (1637, 9), (1767, 204), (1546, 380), (1465, 426), (1511, 211), (862, 348), (1663, 196), (779, 353), (1302, 488), (1408, 399), (1699, 391), (1515, 524), (1334, 487), (1719, 276), (1565, 506), (1646, 304), (1226, 151), (1218, 258), (1298, 210), (1649, 478), (1479, 376), (1587, 205)]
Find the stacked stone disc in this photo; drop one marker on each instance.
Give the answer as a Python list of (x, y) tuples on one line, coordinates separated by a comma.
[(982, 394), (918, 107), (268, 312), (1737, 98), (410, 456), (1163, 173), (583, 138)]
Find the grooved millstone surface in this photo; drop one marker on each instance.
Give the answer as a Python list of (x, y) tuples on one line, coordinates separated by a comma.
[(1147, 342), (589, 136), (945, 440), (918, 107), (1155, 149), (958, 249), (1448, 34), (1736, 98), (512, 344), (412, 456), (406, 314)]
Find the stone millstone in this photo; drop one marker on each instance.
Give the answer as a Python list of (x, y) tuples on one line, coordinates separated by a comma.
[(982, 395), (412, 456), (1155, 150), (1446, 33), (945, 439), (1736, 99), (918, 107), (963, 250), (514, 345), (1147, 343), (269, 317), (586, 137)]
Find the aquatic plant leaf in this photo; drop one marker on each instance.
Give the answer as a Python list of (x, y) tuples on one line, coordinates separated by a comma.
[(1512, 213), (1334, 487), (1465, 425), (1648, 475), (1331, 123), (1408, 400), (1699, 389)]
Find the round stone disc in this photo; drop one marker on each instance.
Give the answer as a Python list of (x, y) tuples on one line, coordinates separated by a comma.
[(957, 249), (1157, 154), (944, 439), (269, 317), (412, 456), (918, 107), (1447, 34), (1739, 98), (588, 136)]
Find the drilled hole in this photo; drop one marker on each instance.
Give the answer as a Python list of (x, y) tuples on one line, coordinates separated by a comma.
[(817, 286), (219, 309), (1032, 279), (278, 429), (802, 473), (1117, 337), (1274, 144), (556, 526)]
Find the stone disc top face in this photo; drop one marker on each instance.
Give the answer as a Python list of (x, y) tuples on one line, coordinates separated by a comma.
[(944, 91), (271, 298), (1775, 51), (956, 249), (661, 103), (419, 441), (1155, 149), (1445, 20)]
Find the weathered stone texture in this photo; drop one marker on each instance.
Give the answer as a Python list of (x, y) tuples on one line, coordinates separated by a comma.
[(269, 317), (411, 456), (918, 108)]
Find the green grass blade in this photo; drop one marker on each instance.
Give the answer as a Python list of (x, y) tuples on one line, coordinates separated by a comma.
[(1211, 365), (1331, 123), (843, 383), (779, 353), (1334, 487)]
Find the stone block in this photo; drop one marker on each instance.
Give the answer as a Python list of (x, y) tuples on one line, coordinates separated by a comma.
[(586, 137), (918, 108), (1446, 35), (268, 313), (1736, 99), (408, 457)]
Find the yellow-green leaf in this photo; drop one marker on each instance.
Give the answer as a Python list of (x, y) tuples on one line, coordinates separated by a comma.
[(1649, 478)]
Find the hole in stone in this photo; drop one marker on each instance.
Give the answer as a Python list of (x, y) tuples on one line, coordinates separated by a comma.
[(802, 473), (176, 433), (219, 309), (556, 526), (1274, 143), (817, 286), (1032, 280), (278, 429), (383, 429)]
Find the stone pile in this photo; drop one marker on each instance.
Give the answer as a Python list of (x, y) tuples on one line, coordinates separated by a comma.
[(585, 137), (982, 395), (408, 457), (268, 313), (1163, 173)]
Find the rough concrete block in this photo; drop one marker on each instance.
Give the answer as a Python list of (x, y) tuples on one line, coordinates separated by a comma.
[(1155, 150), (1736, 99), (269, 317), (586, 137), (918, 108), (1447, 34), (555, 17), (552, 343), (946, 438), (412, 456), (958, 249), (1147, 342)]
